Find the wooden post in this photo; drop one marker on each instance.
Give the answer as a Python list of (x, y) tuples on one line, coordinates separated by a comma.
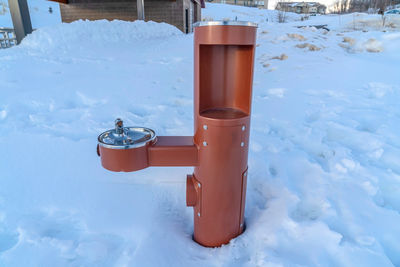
[(20, 17), (140, 9)]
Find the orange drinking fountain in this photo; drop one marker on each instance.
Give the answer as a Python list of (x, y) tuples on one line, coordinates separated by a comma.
[(218, 151)]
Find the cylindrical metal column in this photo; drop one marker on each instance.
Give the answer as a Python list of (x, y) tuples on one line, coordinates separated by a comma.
[(223, 75)]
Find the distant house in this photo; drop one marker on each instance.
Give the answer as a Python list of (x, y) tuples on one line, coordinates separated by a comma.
[(302, 7), (180, 13), (249, 3)]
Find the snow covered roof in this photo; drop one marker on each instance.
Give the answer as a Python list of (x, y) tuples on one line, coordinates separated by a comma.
[(300, 4)]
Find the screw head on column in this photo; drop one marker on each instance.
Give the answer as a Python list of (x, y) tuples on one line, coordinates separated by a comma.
[(205, 127), (205, 143), (242, 144), (198, 214), (198, 184), (243, 128)]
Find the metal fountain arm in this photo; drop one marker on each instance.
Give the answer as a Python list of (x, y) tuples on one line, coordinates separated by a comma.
[(173, 151)]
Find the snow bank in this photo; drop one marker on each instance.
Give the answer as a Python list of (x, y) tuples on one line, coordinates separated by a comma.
[(100, 33)]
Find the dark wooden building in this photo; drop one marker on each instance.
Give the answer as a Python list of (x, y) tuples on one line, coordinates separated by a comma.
[(180, 13)]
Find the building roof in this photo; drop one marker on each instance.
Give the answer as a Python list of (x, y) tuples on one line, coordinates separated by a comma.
[(294, 4)]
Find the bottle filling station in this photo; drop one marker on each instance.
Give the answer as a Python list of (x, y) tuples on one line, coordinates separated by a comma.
[(218, 151)]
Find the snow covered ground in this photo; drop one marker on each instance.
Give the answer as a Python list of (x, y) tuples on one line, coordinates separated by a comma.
[(324, 163)]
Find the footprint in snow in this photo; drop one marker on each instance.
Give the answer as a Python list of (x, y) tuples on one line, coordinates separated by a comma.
[(310, 210), (273, 171)]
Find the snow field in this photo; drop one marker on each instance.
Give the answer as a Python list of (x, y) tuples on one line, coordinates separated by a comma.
[(324, 168)]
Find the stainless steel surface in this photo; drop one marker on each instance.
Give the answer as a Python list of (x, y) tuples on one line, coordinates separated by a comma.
[(126, 137), (225, 23), (119, 126), (140, 9)]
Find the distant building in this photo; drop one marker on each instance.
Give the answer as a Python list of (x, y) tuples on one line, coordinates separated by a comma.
[(180, 13), (302, 7), (250, 3)]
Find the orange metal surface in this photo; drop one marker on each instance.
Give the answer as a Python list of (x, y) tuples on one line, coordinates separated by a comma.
[(223, 65), (193, 191), (124, 160), (173, 151)]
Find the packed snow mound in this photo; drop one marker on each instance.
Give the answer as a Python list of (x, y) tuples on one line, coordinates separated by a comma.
[(98, 33)]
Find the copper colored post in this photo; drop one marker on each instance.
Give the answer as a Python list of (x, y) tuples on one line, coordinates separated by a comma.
[(223, 76)]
